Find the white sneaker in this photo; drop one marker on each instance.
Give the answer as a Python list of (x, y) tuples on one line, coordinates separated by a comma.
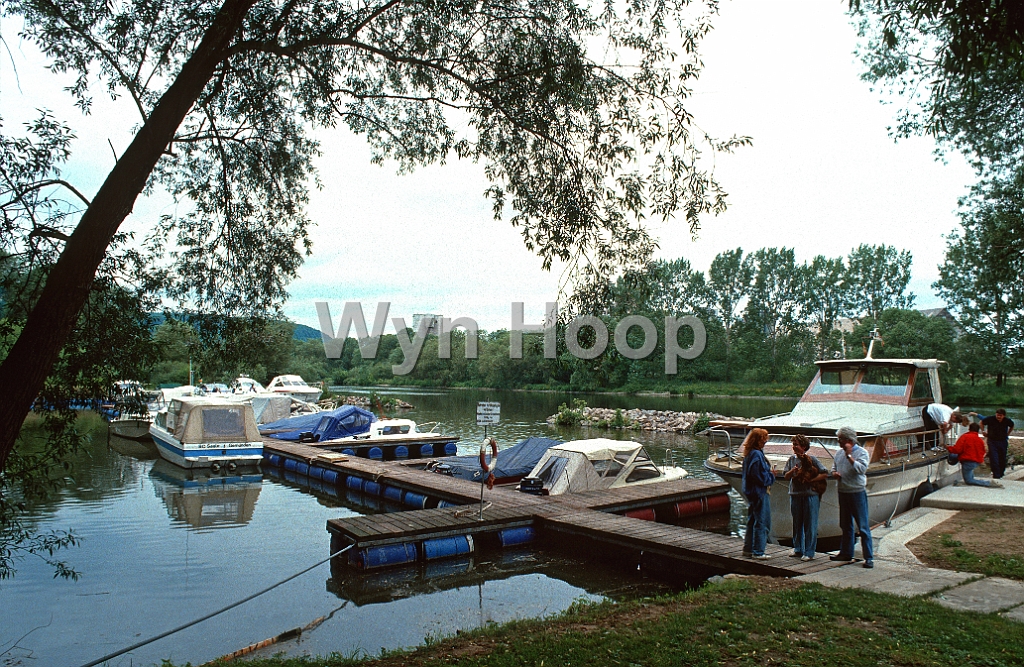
[(806, 558), (995, 485), (760, 556)]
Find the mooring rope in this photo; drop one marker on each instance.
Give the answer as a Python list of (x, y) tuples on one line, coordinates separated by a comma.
[(111, 656)]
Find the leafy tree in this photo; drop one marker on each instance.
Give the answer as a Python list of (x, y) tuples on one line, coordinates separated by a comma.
[(878, 276), (826, 297), (774, 307), (908, 334), (958, 66), (578, 150), (728, 284), (980, 278)]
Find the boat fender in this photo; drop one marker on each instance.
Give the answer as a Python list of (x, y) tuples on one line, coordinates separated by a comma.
[(923, 490), (489, 469)]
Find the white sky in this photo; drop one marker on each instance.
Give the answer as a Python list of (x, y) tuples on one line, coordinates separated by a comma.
[(822, 177)]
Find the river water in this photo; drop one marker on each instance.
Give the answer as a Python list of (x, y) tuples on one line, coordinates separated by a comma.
[(159, 550)]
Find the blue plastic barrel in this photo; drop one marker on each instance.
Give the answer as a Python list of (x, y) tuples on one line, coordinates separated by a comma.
[(393, 493), (401, 452), (274, 460), (375, 453), (451, 449), (512, 536), (331, 476), (371, 488), (302, 468), (446, 547), (446, 503), (348, 451), (316, 472), (290, 464), (416, 500), (354, 483), (426, 451), (389, 554)]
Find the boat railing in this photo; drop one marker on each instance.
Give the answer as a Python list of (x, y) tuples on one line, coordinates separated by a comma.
[(433, 427), (713, 433), (780, 414)]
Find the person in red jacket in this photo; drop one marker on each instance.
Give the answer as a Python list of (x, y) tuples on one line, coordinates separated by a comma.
[(971, 450)]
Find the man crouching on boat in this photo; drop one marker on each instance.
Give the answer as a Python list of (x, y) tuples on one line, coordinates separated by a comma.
[(850, 469)]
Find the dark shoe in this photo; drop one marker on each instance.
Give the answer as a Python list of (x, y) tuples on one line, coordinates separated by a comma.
[(796, 554), (747, 554), (869, 564), (841, 559)]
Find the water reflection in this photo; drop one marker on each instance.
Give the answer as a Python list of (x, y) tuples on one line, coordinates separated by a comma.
[(203, 499)]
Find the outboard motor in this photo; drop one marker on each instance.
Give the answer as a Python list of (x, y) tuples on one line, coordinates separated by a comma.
[(309, 436), (532, 485)]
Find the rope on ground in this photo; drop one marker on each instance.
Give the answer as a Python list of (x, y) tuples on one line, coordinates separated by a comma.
[(471, 508), (284, 636), (111, 656)]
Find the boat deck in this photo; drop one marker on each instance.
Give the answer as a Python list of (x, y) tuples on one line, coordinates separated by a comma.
[(589, 514)]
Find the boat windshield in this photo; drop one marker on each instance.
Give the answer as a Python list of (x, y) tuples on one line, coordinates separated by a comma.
[(836, 381), (884, 381)]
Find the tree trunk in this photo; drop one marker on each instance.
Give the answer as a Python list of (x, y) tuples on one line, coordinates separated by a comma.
[(48, 326)]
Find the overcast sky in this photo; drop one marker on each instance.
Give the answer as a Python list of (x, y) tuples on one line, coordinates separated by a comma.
[(823, 175)]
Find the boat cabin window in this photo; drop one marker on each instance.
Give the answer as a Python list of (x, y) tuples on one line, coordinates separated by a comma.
[(394, 430), (607, 467), (552, 470), (884, 381), (220, 423), (835, 381), (922, 386), (642, 472)]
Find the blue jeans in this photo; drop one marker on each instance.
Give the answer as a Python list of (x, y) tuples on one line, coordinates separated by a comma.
[(997, 457), (759, 523), (967, 468), (805, 523), (854, 507)]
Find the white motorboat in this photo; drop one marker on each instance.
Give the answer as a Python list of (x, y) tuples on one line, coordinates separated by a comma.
[(883, 400), (295, 386), (207, 432), (133, 410), (599, 463)]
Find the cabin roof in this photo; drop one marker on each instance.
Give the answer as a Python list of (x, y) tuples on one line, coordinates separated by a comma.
[(597, 446)]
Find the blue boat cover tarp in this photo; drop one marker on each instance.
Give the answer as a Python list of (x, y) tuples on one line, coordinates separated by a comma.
[(329, 424), (515, 461)]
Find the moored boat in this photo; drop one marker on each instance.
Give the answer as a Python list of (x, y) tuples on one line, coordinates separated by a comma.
[(294, 385), (599, 463), (205, 432), (883, 400)]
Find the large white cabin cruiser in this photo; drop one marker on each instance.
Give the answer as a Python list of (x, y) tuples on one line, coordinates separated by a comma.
[(883, 399), (599, 463)]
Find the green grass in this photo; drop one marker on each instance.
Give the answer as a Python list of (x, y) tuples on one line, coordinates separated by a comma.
[(954, 556), (747, 622)]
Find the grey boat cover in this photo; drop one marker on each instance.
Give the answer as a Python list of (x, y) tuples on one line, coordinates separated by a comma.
[(515, 461), (341, 422)]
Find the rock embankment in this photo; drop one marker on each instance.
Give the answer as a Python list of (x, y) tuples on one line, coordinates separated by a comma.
[(659, 421), (364, 402)]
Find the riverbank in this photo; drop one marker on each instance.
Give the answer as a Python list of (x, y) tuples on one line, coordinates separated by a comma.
[(741, 621)]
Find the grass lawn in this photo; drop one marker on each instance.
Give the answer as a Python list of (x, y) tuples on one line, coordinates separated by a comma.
[(983, 541), (754, 621)]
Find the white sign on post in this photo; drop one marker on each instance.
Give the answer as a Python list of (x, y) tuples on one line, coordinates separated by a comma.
[(487, 413)]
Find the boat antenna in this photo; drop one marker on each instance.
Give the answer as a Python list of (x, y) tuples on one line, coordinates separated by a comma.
[(871, 344)]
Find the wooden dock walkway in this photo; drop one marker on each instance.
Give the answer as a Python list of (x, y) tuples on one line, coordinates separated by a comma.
[(591, 514)]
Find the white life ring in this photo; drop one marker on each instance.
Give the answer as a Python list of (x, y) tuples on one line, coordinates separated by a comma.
[(489, 469)]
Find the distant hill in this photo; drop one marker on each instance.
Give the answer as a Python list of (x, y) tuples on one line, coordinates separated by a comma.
[(302, 332)]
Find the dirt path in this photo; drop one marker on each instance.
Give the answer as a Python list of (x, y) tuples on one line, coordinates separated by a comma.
[(975, 541)]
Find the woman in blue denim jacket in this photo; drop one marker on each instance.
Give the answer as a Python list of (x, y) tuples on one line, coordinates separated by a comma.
[(757, 481)]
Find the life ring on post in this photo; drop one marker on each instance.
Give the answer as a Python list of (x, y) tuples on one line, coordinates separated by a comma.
[(489, 469)]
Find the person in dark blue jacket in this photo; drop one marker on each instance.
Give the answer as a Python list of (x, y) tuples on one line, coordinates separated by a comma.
[(757, 481)]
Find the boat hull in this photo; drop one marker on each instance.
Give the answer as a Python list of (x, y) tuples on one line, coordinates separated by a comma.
[(890, 492), (133, 429), (205, 455)]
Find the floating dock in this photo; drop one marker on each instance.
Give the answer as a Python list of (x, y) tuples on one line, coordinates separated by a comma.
[(622, 517)]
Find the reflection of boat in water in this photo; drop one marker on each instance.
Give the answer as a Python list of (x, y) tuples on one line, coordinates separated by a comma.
[(883, 400), (202, 499), (144, 450)]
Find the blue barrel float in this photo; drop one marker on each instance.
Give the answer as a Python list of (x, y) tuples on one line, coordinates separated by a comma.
[(371, 488), (426, 451), (302, 468), (393, 493), (446, 547), (274, 460), (331, 477), (447, 503), (354, 483), (375, 453), (451, 449), (290, 464), (382, 556), (513, 536), (417, 500), (348, 451), (401, 452)]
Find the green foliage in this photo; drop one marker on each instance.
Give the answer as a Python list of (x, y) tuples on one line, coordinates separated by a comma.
[(573, 416), (878, 277), (703, 422)]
